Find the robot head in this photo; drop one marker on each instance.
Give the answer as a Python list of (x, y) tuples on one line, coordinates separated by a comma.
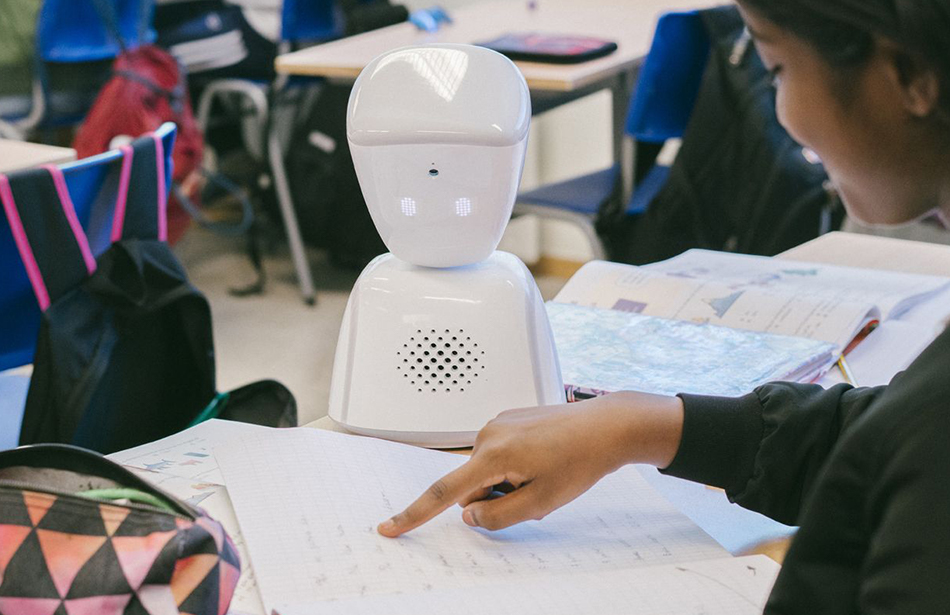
[(438, 136)]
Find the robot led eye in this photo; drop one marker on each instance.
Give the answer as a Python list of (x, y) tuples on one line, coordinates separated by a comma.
[(433, 172), (463, 207)]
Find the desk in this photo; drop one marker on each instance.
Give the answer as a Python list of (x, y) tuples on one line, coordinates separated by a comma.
[(739, 530), (629, 24), (16, 155), (870, 252)]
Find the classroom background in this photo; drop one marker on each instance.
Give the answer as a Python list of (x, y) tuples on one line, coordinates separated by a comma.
[(272, 333)]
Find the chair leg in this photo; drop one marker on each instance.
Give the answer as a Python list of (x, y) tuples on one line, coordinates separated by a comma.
[(276, 161), (585, 223), (301, 265), (9, 131), (596, 245), (249, 91)]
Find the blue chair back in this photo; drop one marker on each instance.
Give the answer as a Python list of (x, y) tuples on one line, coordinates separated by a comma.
[(74, 31), (93, 186), (310, 20), (669, 78)]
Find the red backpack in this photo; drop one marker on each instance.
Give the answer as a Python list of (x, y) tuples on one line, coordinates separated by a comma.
[(147, 88)]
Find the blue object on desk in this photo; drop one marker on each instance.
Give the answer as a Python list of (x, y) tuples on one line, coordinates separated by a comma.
[(13, 389), (430, 19), (659, 110)]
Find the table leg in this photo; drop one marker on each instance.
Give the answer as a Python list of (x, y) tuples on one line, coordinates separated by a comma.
[(623, 145), (297, 251)]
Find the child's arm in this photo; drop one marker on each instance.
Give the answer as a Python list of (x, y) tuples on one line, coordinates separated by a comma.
[(545, 457)]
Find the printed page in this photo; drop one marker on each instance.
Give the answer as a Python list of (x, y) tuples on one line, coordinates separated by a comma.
[(735, 586), (893, 293), (308, 502), (188, 453), (746, 304), (184, 465)]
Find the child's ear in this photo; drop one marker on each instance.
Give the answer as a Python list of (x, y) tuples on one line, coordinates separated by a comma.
[(916, 81)]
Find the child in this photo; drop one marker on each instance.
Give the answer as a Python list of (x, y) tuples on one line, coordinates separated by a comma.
[(864, 472)]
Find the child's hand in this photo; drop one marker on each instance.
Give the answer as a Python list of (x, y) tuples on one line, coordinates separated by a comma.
[(542, 458)]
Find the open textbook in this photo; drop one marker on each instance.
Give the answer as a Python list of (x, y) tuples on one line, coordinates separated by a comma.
[(308, 502), (816, 301), (749, 294)]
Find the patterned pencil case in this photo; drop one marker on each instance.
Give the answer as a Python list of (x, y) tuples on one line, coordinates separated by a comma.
[(81, 534)]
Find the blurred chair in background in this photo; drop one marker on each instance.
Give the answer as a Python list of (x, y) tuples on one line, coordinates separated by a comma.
[(93, 185), (17, 33), (74, 50), (257, 101), (659, 110)]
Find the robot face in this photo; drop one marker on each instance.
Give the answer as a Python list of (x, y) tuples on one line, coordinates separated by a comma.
[(438, 137)]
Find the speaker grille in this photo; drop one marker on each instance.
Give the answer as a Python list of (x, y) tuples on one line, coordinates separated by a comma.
[(440, 361)]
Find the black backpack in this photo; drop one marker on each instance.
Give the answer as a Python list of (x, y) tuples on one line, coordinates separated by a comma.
[(326, 192), (739, 182), (323, 183), (125, 353)]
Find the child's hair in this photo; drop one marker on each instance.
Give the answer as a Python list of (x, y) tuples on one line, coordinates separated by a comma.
[(843, 31)]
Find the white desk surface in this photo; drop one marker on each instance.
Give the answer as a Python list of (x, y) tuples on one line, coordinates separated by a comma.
[(737, 529), (629, 24), (870, 252), (848, 249), (16, 155)]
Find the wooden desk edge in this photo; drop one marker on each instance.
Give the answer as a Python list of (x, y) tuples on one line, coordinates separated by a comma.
[(286, 65)]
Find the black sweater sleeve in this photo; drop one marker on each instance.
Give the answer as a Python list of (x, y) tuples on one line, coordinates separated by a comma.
[(864, 472), (766, 449)]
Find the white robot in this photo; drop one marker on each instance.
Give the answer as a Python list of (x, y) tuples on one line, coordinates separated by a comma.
[(443, 332)]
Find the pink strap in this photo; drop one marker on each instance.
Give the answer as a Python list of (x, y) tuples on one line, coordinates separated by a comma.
[(23, 244), (118, 218), (70, 211), (162, 213)]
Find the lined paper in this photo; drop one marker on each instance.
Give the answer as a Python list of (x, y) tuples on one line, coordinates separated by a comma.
[(308, 502), (738, 586)]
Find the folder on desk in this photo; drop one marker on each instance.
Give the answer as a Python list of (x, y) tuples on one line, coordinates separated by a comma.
[(602, 351), (550, 48)]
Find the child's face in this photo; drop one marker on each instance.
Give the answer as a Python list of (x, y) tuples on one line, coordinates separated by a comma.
[(855, 120)]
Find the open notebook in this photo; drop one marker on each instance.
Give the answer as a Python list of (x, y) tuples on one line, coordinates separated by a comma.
[(749, 294), (820, 302), (308, 502)]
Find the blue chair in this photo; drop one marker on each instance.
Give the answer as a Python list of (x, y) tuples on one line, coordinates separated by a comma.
[(72, 34), (659, 110), (92, 185), (309, 20), (302, 22)]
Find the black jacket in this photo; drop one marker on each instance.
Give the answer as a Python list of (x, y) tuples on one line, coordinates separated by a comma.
[(865, 472)]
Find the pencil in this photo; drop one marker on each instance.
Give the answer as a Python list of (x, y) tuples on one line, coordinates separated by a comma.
[(846, 372)]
